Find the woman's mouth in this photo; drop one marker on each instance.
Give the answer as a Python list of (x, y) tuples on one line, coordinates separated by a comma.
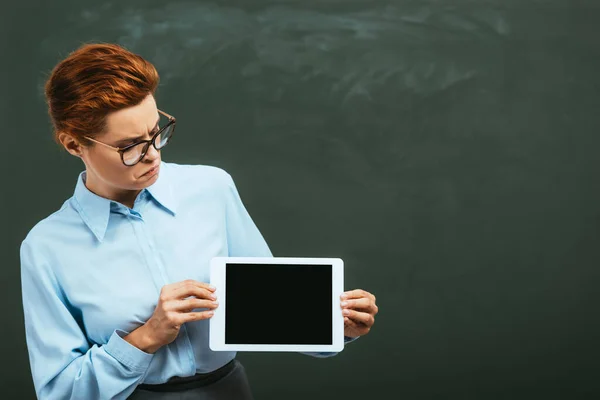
[(152, 171)]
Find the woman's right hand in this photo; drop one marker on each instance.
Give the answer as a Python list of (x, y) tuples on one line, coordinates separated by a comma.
[(175, 308)]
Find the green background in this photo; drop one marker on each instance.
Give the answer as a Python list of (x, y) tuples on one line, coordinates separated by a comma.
[(446, 150)]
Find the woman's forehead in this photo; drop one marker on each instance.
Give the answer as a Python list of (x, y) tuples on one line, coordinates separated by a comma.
[(132, 121)]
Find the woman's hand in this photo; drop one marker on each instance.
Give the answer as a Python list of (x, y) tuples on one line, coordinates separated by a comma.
[(175, 308), (359, 309)]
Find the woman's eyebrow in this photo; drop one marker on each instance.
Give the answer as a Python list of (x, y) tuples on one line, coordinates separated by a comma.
[(136, 138)]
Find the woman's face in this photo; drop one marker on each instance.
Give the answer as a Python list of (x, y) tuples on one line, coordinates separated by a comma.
[(106, 174)]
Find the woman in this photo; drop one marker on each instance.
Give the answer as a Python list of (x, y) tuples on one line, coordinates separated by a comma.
[(114, 285)]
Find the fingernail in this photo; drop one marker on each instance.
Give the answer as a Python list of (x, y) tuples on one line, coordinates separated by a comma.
[(346, 312), (344, 303), (212, 296), (215, 303), (211, 287), (343, 296)]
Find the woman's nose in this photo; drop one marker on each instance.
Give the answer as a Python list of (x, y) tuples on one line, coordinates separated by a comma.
[(152, 153)]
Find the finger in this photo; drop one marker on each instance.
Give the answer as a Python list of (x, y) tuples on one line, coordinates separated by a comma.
[(191, 303), (359, 317), (194, 316), (362, 304), (192, 290), (349, 322), (193, 282), (356, 294)]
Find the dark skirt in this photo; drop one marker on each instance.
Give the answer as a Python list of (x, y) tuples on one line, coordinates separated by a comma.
[(227, 382)]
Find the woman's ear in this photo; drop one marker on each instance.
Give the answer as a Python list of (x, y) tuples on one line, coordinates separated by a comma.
[(70, 144)]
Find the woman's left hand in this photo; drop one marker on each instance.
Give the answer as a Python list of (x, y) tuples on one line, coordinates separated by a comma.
[(359, 309)]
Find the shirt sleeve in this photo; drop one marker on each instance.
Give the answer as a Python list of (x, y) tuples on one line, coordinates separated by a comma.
[(62, 362), (323, 354), (243, 237)]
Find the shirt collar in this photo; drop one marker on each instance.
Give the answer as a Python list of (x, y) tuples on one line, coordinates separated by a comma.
[(162, 189), (95, 210)]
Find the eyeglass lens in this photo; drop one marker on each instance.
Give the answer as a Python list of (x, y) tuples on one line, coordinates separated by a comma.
[(134, 154)]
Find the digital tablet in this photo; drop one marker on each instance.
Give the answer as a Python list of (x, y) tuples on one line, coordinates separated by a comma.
[(277, 304)]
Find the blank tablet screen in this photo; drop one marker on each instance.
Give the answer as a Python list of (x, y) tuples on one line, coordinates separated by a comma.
[(278, 304)]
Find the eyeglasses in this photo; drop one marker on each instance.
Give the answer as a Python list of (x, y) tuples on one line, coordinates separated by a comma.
[(135, 152)]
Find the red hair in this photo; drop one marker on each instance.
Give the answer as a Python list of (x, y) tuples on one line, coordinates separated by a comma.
[(93, 81)]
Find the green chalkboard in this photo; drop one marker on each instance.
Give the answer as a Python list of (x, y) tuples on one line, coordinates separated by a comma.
[(446, 150)]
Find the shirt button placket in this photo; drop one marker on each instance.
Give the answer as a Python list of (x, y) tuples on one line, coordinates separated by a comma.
[(154, 264)]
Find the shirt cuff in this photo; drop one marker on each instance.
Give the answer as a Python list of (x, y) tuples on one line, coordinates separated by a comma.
[(350, 339), (126, 353)]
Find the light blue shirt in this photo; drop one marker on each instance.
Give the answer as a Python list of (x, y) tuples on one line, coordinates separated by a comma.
[(92, 272)]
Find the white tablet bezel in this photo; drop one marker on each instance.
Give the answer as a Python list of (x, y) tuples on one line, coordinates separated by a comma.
[(217, 321)]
